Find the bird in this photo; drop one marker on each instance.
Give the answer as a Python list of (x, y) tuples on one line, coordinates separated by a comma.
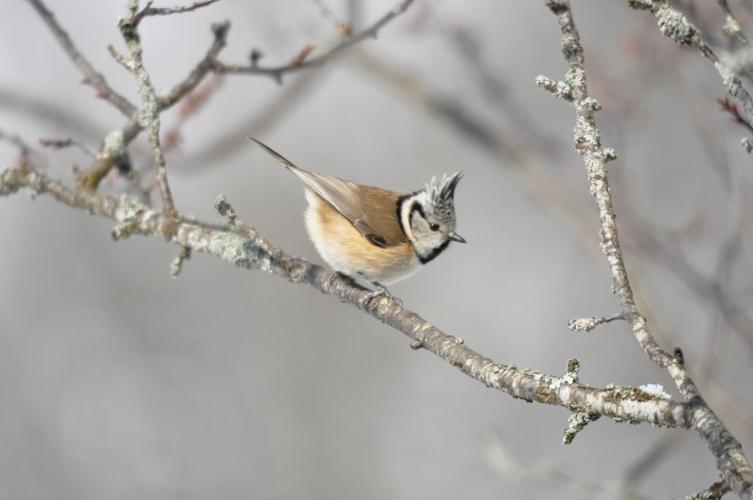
[(376, 234)]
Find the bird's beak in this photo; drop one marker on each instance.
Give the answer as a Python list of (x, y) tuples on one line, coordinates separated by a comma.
[(457, 237)]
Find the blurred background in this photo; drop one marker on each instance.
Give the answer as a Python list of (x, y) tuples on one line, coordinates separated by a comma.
[(117, 382)]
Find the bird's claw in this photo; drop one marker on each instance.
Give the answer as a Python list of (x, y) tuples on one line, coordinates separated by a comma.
[(381, 291)]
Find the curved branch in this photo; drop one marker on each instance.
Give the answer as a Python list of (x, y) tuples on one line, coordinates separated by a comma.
[(731, 462), (276, 72), (244, 247)]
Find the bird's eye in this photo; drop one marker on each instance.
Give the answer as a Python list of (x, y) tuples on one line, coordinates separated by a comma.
[(434, 227)]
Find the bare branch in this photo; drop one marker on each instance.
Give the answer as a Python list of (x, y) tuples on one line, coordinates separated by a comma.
[(197, 74), (91, 76), (276, 72), (300, 58), (148, 10), (65, 143), (731, 462), (675, 26)]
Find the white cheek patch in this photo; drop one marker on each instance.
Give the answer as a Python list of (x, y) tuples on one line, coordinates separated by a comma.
[(405, 210)]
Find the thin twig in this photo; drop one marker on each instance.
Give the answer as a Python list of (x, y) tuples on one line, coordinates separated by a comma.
[(104, 163), (189, 106), (197, 74), (276, 72), (66, 143), (148, 10), (91, 76), (585, 325), (731, 108)]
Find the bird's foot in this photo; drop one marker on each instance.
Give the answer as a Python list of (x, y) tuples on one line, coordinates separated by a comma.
[(381, 291)]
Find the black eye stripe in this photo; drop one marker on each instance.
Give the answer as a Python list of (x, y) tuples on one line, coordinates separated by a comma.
[(417, 208)]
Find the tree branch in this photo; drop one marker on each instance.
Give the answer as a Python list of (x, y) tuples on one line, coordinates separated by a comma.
[(197, 74), (91, 76), (148, 115), (148, 10), (244, 247), (675, 26), (276, 72), (731, 462)]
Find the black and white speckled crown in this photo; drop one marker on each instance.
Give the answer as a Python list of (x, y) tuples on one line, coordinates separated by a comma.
[(440, 194)]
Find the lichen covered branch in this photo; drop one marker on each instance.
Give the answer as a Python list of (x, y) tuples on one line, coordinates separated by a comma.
[(676, 26), (731, 462), (149, 112), (239, 244)]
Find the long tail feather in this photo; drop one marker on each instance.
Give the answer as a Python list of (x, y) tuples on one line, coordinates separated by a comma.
[(275, 154)]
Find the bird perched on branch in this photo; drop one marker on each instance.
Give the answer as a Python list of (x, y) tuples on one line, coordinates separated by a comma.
[(380, 235)]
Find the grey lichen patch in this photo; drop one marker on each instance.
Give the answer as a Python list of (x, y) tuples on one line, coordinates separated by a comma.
[(128, 214), (676, 26), (35, 185), (259, 255), (296, 270), (558, 88), (730, 79), (575, 77), (591, 105), (609, 154), (229, 247), (573, 368), (176, 266), (641, 4), (570, 46), (570, 377), (556, 7), (223, 206), (576, 423), (731, 28), (583, 325), (114, 145), (8, 183), (618, 394)]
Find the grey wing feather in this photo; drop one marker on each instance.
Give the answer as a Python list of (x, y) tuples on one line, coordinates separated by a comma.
[(339, 193)]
